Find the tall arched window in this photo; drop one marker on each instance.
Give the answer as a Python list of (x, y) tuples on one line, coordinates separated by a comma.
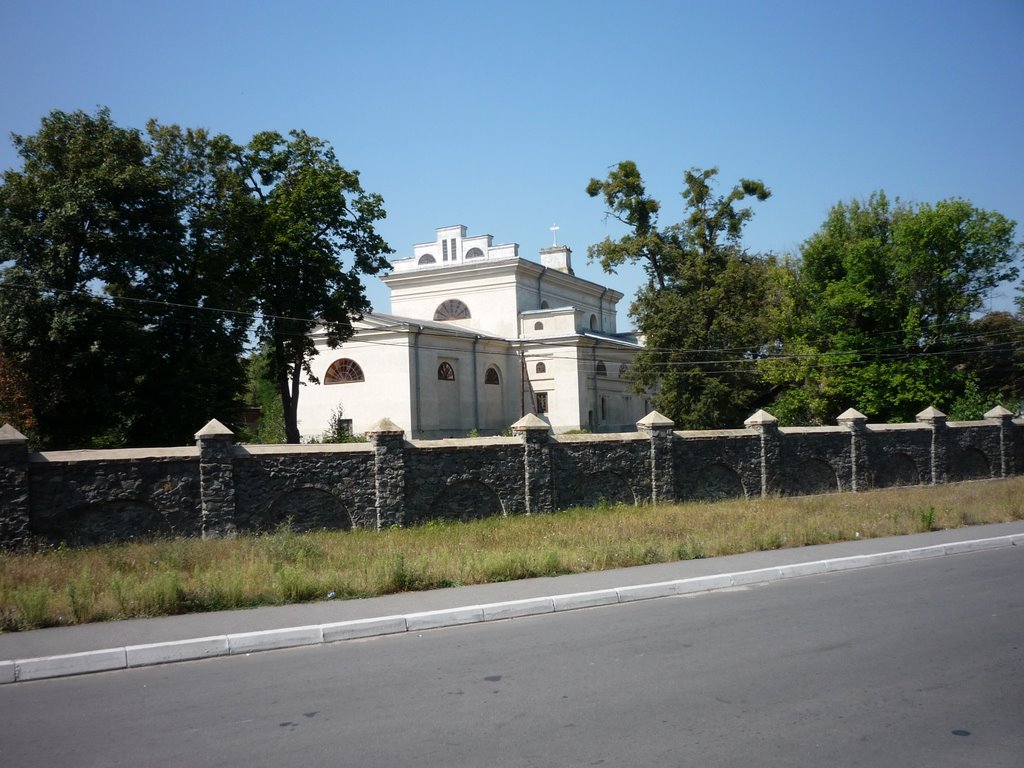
[(445, 372), (343, 371), (452, 309), (492, 377), (601, 369), (593, 322), (624, 371)]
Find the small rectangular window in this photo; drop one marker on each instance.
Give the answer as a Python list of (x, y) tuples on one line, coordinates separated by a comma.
[(542, 402)]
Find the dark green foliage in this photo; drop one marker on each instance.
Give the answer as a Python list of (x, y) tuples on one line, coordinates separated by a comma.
[(77, 216), (704, 309), (879, 312), (132, 268)]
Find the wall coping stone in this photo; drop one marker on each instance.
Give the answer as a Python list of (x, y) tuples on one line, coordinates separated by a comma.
[(462, 442), (291, 449), (706, 434), (600, 437), (114, 454)]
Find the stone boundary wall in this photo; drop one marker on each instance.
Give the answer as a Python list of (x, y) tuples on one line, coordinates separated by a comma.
[(218, 488)]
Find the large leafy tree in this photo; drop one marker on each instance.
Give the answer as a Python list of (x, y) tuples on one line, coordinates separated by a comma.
[(311, 239), (74, 219), (703, 310), (881, 304), (192, 291), (133, 266)]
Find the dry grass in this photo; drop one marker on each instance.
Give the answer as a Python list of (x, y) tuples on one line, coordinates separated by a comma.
[(168, 576)]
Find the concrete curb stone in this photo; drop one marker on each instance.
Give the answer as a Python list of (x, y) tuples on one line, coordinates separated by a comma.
[(274, 639), (72, 664), (178, 650)]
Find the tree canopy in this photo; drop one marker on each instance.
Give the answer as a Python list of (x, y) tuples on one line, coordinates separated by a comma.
[(135, 266), (881, 306), (703, 311)]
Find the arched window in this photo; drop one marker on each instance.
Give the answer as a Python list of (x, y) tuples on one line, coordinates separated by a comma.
[(445, 372), (343, 371), (593, 322), (426, 258), (538, 326), (624, 371), (491, 376), (474, 253), (541, 368), (545, 305), (601, 369), (452, 309)]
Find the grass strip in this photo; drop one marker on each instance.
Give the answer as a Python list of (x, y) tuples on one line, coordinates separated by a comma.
[(53, 586)]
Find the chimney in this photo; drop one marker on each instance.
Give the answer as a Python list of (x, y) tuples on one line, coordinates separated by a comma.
[(557, 257)]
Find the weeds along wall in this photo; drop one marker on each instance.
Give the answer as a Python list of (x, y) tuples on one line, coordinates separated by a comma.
[(219, 488)]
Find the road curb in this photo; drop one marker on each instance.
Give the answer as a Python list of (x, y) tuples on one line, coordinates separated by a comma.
[(134, 656)]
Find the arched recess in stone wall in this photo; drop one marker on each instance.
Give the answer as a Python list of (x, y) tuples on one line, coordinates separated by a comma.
[(718, 481), (970, 464), (466, 500), (306, 509), (596, 488), (107, 521), (895, 470), (811, 476)]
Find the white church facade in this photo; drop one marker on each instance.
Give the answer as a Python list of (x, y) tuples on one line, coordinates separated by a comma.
[(478, 337)]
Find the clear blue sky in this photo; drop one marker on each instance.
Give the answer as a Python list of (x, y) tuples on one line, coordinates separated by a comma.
[(495, 115)]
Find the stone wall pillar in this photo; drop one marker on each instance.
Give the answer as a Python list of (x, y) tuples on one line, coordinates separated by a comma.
[(857, 423), (1003, 420), (216, 479), (14, 489), (936, 421), (536, 464), (767, 427), (388, 441), (659, 430)]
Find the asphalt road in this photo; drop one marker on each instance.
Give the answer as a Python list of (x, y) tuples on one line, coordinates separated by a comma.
[(903, 665)]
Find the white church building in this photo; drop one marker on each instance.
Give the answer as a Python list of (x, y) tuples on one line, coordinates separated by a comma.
[(478, 337)]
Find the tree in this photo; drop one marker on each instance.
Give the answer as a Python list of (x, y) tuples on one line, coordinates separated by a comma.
[(703, 310), (882, 299), (192, 292), (304, 213), (72, 220)]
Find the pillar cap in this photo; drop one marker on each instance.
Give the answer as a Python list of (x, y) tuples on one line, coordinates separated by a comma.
[(996, 413), (214, 430), (931, 413), (9, 434), (761, 418), (654, 420), (529, 423), (385, 427), (851, 415)]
